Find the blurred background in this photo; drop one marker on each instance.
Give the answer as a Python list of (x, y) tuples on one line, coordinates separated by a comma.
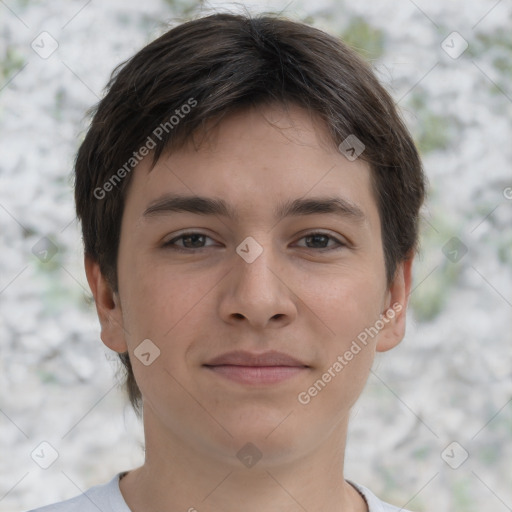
[(433, 429)]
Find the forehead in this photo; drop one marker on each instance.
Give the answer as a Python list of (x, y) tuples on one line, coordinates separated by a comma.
[(256, 160)]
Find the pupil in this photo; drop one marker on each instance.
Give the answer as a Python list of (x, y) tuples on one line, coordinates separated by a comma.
[(316, 237), (188, 237)]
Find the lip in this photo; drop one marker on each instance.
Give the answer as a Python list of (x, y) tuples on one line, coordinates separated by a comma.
[(244, 358), (256, 369)]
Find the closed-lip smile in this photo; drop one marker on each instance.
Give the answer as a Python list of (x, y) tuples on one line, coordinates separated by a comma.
[(244, 358), (256, 369)]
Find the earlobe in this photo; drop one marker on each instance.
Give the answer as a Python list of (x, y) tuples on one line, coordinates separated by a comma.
[(108, 307), (399, 291)]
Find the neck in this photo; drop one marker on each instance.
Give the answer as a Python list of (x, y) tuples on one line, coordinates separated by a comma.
[(179, 475)]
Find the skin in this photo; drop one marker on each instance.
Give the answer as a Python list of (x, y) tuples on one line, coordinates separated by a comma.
[(296, 297)]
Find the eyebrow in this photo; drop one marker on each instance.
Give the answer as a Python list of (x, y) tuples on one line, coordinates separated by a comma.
[(200, 205)]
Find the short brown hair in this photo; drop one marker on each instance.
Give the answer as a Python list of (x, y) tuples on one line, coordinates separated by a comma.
[(219, 64)]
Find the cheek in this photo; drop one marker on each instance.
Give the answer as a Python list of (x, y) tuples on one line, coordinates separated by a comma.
[(157, 297), (344, 302), (164, 304), (351, 308), (346, 350), (160, 308), (347, 306)]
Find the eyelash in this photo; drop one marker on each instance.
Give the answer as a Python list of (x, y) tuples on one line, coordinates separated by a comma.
[(171, 243)]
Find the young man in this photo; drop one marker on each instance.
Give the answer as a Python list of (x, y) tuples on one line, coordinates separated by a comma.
[(249, 200)]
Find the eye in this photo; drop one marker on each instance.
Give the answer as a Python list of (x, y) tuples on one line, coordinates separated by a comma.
[(191, 241), (318, 238)]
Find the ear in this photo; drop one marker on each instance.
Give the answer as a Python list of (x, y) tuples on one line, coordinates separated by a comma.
[(108, 307), (398, 297)]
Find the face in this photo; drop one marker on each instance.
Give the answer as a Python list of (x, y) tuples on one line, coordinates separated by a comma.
[(257, 276)]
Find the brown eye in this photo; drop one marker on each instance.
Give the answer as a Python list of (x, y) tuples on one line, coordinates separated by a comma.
[(319, 240), (190, 242)]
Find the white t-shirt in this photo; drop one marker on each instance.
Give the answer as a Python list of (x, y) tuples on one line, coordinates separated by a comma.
[(108, 498)]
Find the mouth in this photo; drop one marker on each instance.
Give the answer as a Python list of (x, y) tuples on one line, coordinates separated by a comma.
[(256, 369)]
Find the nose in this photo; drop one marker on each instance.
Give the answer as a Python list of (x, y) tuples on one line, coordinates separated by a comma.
[(258, 292)]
